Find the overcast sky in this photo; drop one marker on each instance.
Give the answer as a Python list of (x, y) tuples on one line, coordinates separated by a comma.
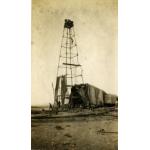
[(95, 24)]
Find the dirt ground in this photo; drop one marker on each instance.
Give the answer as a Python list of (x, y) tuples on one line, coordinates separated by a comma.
[(99, 132)]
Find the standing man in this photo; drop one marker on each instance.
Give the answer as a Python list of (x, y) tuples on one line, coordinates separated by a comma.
[(50, 108)]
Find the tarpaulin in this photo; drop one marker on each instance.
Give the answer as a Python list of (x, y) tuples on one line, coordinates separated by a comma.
[(87, 95), (56, 91), (63, 88)]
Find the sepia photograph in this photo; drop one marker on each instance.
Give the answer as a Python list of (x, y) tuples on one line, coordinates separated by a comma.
[(74, 92), (74, 75)]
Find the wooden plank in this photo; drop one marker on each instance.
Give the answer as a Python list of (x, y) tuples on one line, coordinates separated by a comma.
[(77, 65)]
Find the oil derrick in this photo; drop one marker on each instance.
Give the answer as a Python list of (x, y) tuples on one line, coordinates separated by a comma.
[(69, 70)]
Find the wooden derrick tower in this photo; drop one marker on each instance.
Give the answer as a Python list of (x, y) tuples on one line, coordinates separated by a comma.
[(69, 71)]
